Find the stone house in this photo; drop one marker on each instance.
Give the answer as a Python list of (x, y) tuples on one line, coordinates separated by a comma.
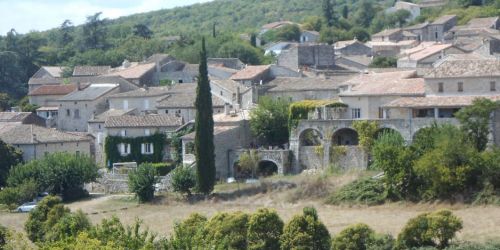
[(76, 108), (49, 113), (353, 63), (352, 48), (391, 49), (434, 31), (305, 56), (474, 27), (309, 36), (388, 35), (414, 9), (145, 126), (137, 73), (36, 142), (47, 95), (179, 72), (252, 75), (233, 93), (85, 70), (143, 100), (180, 102), (21, 118), (425, 55), (46, 75)]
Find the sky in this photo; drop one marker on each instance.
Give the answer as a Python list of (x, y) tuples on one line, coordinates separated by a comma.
[(27, 15)]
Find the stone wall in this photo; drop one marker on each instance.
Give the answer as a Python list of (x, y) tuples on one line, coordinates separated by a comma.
[(118, 183), (311, 157)]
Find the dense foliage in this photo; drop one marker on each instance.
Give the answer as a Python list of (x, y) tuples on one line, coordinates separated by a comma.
[(204, 128), (355, 237), (58, 173), (300, 110), (268, 121), (183, 179), (305, 232), (10, 157), (265, 228), (142, 182), (112, 143), (367, 191)]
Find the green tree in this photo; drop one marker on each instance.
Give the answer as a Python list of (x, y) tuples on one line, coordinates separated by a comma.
[(65, 33), (360, 34), (429, 230), (269, 121), (329, 12), (265, 228), (94, 32), (183, 180), (345, 12), (4, 102), (475, 121), (10, 157), (187, 234), (355, 237), (226, 231), (3, 236), (249, 163), (365, 13), (143, 31), (113, 232), (305, 232), (366, 130), (142, 182), (68, 226), (204, 129), (313, 23), (289, 32), (243, 51), (383, 62), (35, 225)]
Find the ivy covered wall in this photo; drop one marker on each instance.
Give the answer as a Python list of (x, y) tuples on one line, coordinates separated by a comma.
[(111, 148)]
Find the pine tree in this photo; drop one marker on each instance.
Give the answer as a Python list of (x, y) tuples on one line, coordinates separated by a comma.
[(329, 12), (204, 128)]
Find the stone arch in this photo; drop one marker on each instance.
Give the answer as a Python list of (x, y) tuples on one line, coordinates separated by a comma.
[(345, 136), (267, 168), (383, 130), (310, 137)]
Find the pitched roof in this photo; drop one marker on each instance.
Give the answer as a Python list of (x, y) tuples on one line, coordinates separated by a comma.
[(364, 60), (230, 85), (387, 32), (427, 51), (47, 108), (90, 70), (436, 101), (289, 84), (233, 63), (250, 72), (417, 26), (32, 134), (311, 32), (183, 88), (133, 72), (55, 71), (453, 67), (444, 19), (90, 93), (143, 121), (389, 87), (13, 116), (484, 22), (109, 113), (185, 100), (142, 92), (217, 130), (44, 80), (62, 89), (343, 44)]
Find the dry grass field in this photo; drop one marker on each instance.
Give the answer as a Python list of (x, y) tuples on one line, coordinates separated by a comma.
[(481, 223)]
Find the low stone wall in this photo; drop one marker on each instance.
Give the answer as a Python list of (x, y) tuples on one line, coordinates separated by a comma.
[(111, 183), (349, 157), (311, 158)]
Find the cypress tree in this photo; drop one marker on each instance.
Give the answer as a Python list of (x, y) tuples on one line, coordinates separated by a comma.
[(204, 128)]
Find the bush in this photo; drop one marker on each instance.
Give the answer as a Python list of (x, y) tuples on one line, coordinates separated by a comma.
[(366, 191), (112, 232), (187, 234), (355, 237), (265, 228), (35, 225), (142, 182), (3, 236), (14, 196), (226, 231), (429, 229), (305, 232), (69, 225), (163, 168), (383, 62), (183, 180)]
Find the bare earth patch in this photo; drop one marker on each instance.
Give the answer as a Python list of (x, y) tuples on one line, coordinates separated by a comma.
[(480, 222)]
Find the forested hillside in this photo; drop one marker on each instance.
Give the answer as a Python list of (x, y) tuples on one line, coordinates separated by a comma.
[(109, 42)]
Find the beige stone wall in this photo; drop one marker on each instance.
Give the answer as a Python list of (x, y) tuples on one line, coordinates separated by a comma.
[(45, 100), (187, 114), (140, 104), (471, 86), (38, 151), (137, 132), (369, 105)]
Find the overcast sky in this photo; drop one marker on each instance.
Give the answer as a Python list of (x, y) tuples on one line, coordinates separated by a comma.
[(27, 15)]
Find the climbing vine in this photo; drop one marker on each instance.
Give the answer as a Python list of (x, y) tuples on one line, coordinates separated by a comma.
[(176, 143), (111, 148), (336, 152), (366, 133), (299, 110), (319, 151)]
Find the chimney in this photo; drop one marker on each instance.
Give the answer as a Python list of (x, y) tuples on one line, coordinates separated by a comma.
[(125, 64), (78, 86)]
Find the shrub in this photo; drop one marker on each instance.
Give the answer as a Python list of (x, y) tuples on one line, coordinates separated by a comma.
[(183, 180), (226, 231), (69, 225), (35, 225), (112, 232), (142, 182), (265, 228), (163, 168), (187, 234), (366, 191), (13, 196), (10, 157), (3, 236), (429, 229), (355, 237), (305, 232), (383, 62)]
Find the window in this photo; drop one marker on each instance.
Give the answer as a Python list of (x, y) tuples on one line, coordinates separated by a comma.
[(147, 148), (493, 86), (68, 112), (124, 132), (99, 126), (221, 94), (460, 87), (436, 35), (124, 149), (440, 87), (146, 104), (125, 104), (180, 80), (356, 113), (166, 111), (77, 114), (147, 132)]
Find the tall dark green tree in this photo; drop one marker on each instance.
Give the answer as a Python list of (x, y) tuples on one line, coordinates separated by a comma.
[(204, 128), (10, 157), (143, 31), (345, 12), (328, 12), (94, 32), (65, 33)]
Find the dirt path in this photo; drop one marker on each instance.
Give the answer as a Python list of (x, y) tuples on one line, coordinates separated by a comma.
[(480, 223)]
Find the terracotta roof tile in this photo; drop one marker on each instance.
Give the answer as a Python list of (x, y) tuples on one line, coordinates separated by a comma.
[(90, 70), (133, 72), (63, 89), (465, 68), (13, 116), (144, 121), (398, 83), (32, 134), (250, 72)]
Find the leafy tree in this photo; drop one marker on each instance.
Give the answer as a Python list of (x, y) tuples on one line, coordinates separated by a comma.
[(69, 225), (475, 121), (65, 33), (143, 31), (204, 129), (35, 225), (360, 34), (366, 130), (355, 237), (3, 236), (244, 52), (313, 23), (329, 12), (365, 13), (4, 102), (345, 12), (383, 62), (226, 231), (249, 163), (142, 182), (269, 121), (253, 40), (183, 180), (10, 157), (289, 32), (14, 196), (81, 242), (305, 232), (187, 234), (113, 232), (398, 18), (429, 229), (94, 32), (265, 228)]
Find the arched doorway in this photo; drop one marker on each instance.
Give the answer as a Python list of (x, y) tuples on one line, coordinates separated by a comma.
[(383, 131), (310, 137), (345, 137), (267, 168)]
